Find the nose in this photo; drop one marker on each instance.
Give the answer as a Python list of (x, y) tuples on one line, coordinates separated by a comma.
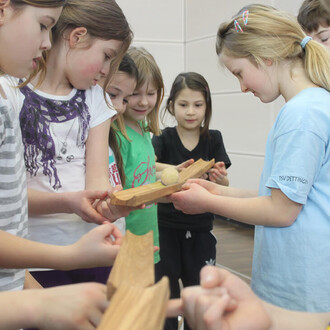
[(244, 89), (46, 44), (190, 110), (105, 69), (143, 100)]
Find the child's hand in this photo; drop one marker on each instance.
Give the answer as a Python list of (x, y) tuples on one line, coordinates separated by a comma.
[(81, 203), (218, 172), (192, 200), (77, 306), (184, 165), (114, 212), (97, 248)]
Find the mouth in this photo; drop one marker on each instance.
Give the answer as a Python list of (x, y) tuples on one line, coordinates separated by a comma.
[(35, 62)]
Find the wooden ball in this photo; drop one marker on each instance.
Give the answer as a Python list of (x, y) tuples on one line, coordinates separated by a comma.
[(169, 176)]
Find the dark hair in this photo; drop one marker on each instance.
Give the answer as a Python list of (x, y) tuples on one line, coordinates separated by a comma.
[(195, 82), (312, 14), (128, 66)]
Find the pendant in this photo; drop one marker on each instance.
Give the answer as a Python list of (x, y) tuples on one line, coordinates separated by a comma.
[(63, 149), (69, 158)]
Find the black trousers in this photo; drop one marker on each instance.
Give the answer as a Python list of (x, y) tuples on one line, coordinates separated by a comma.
[(182, 255)]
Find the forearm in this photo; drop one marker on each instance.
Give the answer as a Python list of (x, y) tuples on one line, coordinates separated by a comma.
[(287, 319), (48, 203), (17, 309), (260, 210), (17, 252)]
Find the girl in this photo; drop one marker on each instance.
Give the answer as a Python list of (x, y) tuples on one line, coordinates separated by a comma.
[(186, 242), (270, 55), (141, 118), (64, 120), (120, 88), (24, 34)]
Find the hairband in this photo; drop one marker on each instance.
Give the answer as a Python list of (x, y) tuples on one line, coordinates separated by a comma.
[(245, 16), (305, 41)]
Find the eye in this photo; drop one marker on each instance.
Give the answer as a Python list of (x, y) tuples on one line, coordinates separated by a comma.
[(199, 104), (43, 27), (107, 57), (112, 96), (125, 101), (324, 40), (182, 104)]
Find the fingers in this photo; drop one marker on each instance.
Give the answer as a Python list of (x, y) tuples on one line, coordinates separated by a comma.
[(174, 308), (215, 311), (211, 277)]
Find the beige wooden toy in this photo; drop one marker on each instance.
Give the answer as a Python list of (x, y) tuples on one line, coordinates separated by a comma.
[(153, 191), (136, 302)]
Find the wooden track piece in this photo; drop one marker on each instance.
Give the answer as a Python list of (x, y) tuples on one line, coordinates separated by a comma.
[(134, 264), (138, 308), (149, 193)]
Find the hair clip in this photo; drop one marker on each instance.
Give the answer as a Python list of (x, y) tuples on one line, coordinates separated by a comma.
[(237, 26), (245, 16)]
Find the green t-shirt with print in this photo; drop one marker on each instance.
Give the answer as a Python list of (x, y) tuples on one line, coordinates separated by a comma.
[(140, 169)]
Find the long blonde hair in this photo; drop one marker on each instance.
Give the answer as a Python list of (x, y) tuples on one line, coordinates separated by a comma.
[(274, 35), (148, 70)]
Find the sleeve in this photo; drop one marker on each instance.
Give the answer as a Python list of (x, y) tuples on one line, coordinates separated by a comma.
[(159, 147), (294, 168), (101, 109), (219, 150)]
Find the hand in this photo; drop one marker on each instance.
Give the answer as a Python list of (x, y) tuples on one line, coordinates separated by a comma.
[(184, 164), (81, 203), (234, 307), (192, 200), (114, 212), (97, 248), (78, 306), (218, 172)]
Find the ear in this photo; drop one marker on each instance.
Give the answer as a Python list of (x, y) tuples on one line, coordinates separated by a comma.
[(3, 10), (268, 62), (76, 36), (171, 108)]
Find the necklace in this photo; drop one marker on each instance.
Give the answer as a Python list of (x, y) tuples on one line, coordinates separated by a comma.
[(63, 145)]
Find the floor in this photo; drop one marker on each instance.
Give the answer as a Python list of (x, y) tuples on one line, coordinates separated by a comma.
[(234, 247)]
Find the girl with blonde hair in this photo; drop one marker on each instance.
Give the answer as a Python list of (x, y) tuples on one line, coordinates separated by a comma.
[(271, 56)]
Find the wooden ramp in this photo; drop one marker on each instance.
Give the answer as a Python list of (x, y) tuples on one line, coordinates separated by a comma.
[(151, 192), (136, 302)]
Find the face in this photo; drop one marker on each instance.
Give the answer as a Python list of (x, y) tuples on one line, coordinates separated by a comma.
[(322, 35), (120, 90), (259, 81), (189, 109), (24, 34), (142, 102), (85, 67)]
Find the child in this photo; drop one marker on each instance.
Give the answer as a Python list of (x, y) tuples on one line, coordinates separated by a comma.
[(186, 242), (64, 120), (120, 88), (315, 20), (141, 118), (24, 34), (271, 56)]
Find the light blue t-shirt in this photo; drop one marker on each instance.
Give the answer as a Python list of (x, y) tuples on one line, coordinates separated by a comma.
[(291, 265)]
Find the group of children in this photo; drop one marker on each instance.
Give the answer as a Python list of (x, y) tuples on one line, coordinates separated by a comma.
[(58, 125)]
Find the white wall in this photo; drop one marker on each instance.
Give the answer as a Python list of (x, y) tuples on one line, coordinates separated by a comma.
[(181, 36)]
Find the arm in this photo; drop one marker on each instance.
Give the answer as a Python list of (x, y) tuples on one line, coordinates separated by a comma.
[(78, 306), (99, 247), (79, 202), (287, 319), (275, 210), (97, 172)]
